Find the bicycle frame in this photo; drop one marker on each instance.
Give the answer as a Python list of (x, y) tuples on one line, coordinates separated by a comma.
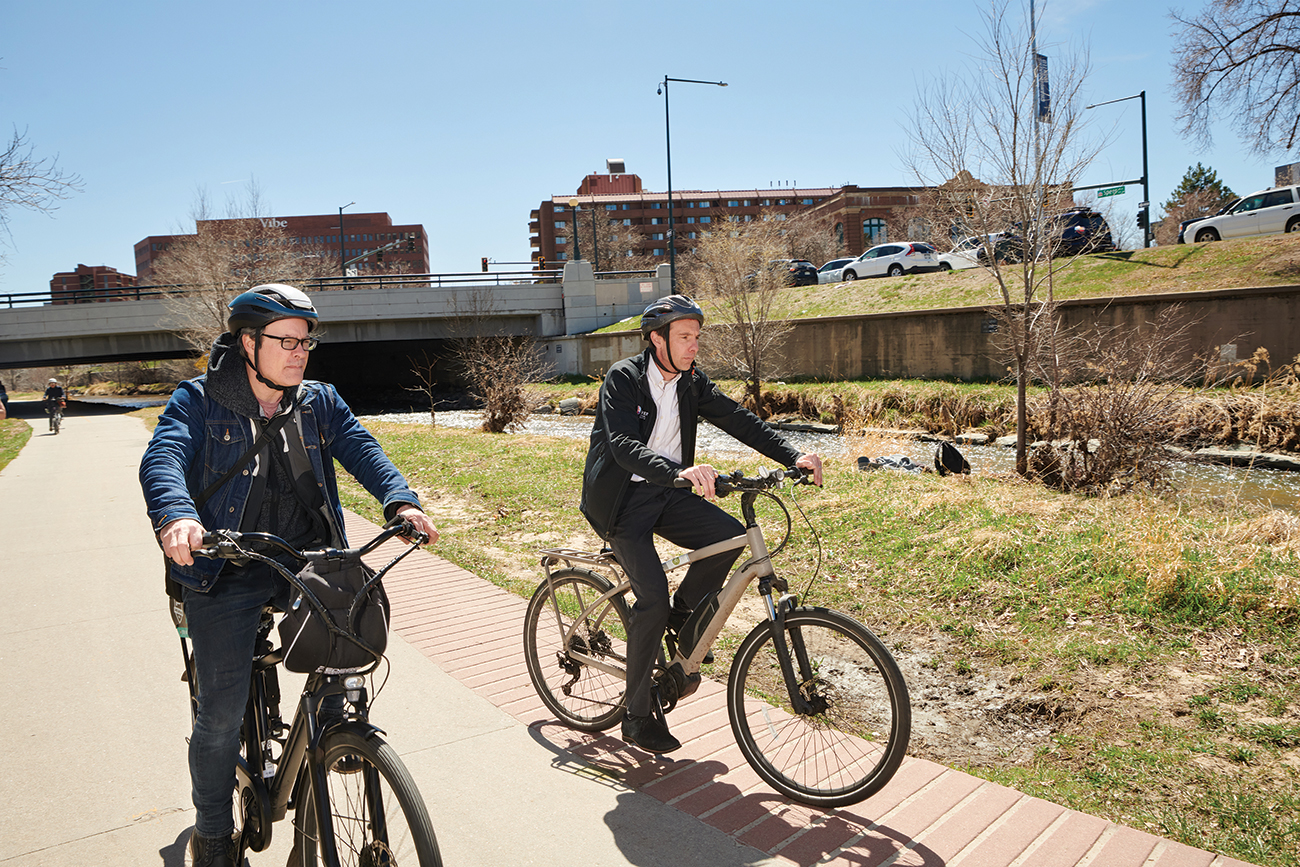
[(759, 565), (278, 790)]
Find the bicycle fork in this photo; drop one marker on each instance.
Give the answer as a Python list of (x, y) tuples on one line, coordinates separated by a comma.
[(794, 679)]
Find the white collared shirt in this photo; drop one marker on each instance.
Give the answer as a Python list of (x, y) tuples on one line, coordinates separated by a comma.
[(666, 437)]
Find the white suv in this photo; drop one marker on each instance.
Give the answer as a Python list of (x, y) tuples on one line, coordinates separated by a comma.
[(1268, 212)]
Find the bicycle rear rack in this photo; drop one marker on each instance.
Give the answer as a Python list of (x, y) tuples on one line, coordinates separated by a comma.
[(552, 556)]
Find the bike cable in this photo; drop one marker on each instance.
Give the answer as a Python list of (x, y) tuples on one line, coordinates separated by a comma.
[(816, 538)]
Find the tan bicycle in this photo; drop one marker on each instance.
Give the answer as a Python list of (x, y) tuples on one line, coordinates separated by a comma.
[(817, 704)]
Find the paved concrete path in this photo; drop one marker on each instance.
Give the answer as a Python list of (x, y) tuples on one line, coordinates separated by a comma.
[(99, 719)]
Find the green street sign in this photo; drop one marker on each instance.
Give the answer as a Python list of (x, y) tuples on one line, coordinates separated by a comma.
[(1110, 191)]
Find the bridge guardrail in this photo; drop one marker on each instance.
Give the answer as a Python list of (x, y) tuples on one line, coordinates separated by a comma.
[(12, 300)]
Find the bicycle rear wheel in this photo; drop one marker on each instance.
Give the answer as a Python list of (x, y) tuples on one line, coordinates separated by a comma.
[(582, 695), (854, 730), (377, 813)]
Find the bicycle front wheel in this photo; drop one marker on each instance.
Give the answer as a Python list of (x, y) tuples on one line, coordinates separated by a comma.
[(376, 812), (849, 734), (577, 664)]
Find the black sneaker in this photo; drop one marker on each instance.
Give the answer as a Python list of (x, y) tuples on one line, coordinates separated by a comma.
[(213, 851), (649, 734)]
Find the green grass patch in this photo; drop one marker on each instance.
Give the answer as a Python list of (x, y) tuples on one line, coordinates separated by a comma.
[(14, 434)]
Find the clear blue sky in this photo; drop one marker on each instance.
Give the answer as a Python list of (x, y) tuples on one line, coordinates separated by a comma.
[(464, 116)]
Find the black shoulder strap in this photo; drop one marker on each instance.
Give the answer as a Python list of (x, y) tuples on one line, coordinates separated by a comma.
[(267, 432)]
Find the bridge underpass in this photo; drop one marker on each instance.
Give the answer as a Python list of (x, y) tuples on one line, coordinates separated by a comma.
[(371, 331)]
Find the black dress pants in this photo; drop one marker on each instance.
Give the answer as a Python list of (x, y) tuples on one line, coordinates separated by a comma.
[(685, 519)]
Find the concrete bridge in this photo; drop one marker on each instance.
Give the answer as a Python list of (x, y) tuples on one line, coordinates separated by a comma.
[(399, 313)]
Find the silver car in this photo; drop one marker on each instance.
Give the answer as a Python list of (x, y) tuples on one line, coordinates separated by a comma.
[(831, 271), (893, 260)]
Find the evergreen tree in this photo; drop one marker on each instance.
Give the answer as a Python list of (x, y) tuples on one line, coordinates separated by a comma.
[(1199, 194), (1200, 188)]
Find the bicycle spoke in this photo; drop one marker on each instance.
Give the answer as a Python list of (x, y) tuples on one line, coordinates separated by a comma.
[(855, 731)]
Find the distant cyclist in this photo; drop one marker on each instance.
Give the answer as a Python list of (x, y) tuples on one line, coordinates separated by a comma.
[(54, 399)]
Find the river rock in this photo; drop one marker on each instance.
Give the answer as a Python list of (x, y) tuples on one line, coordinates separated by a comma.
[(1244, 457), (571, 406)]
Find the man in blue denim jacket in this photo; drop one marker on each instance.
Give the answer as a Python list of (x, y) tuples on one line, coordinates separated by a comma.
[(255, 374)]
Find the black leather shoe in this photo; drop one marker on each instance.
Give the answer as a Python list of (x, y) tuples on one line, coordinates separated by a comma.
[(649, 734), (213, 851)]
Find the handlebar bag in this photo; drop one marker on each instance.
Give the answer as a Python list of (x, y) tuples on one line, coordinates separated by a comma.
[(310, 645)]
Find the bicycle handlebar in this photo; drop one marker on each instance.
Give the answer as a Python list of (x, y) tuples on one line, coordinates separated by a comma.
[(765, 480), (228, 544)]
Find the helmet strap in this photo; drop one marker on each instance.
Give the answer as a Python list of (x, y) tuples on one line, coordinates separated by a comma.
[(256, 363), (672, 369)]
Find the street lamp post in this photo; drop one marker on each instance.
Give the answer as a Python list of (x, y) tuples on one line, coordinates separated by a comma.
[(1146, 174), (343, 255), (577, 251), (672, 225)]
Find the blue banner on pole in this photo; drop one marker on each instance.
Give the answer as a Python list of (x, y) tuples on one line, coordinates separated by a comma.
[(1044, 94)]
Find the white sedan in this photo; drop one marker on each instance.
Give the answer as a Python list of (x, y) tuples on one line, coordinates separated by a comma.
[(964, 255), (831, 271), (904, 257)]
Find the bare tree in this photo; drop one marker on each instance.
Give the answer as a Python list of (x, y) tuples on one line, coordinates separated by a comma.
[(425, 370), (1002, 172), (1107, 425), (1240, 59), (607, 243), (31, 183), (224, 257), (732, 267), (498, 367)]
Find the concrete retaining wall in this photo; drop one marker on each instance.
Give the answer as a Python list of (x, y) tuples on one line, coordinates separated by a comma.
[(960, 343)]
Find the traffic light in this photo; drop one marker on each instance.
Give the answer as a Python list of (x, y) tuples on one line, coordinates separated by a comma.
[(379, 256), (484, 261), (541, 264), (1143, 216), (410, 244)]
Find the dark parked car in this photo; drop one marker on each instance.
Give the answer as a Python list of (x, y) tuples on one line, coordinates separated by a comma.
[(1081, 230), (1069, 233), (798, 272)]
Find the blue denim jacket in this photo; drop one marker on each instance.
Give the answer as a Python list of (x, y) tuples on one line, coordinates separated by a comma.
[(197, 440)]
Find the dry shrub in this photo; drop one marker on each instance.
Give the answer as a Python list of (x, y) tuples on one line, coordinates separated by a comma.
[(1201, 419), (1273, 529)]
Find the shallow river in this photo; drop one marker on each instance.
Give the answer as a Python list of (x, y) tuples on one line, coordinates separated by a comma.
[(1274, 487)]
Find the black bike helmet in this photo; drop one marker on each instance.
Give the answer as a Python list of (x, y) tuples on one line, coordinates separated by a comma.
[(262, 305), (668, 310)]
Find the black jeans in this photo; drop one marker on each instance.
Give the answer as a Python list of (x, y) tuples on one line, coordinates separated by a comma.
[(684, 519)]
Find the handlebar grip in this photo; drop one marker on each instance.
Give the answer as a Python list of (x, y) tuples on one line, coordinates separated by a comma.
[(679, 482), (407, 530)]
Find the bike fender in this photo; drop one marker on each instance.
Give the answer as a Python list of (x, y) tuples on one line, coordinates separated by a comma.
[(363, 730)]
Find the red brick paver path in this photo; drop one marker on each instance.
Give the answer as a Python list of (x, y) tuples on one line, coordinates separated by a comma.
[(927, 815)]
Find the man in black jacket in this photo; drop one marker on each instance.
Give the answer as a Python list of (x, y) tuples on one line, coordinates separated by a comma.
[(642, 442)]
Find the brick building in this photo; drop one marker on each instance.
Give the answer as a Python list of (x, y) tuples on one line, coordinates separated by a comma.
[(73, 287), (320, 235), (860, 217)]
